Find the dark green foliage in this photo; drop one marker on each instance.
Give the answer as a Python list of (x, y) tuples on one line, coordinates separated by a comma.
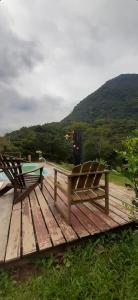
[(98, 141), (6, 145), (48, 138), (130, 157), (116, 99)]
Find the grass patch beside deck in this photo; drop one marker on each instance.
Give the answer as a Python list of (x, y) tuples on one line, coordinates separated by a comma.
[(101, 269), (118, 178)]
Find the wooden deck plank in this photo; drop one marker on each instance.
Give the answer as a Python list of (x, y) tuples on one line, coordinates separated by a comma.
[(44, 228), (14, 241), (99, 222), (116, 192), (53, 228), (28, 237), (106, 218), (85, 216), (84, 220), (120, 206), (6, 203), (127, 208), (76, 225), (121, 203), (42, 235), (121, 194), (115, 215), (118, 212), (66, 229), (117, 218)]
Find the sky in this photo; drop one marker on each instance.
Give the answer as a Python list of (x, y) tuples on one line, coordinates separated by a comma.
[(55, 53)]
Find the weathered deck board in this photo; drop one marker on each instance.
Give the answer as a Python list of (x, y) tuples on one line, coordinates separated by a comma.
[(119, 213), (5, 215), (100, 224), (121, 194), (35, 225), (76, 224), (84, 220), (123, 209), (67, 230), (100, 214), (14, 241), (42, 236), (53, 228), (28, 237)]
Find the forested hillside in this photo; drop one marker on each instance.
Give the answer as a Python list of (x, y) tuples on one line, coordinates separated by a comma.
[(116, 99), (104, 117)]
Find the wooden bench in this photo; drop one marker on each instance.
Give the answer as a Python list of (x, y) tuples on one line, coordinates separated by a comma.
[(82, 184), (22, 183)]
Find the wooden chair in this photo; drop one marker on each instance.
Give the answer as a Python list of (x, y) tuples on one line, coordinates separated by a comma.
[(82, 184), (22, 183)]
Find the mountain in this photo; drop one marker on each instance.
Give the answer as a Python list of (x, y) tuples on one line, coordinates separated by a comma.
[(104, 118), (116, 99)]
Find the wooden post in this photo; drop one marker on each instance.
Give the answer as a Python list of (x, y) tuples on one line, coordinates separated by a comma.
[(41, 178), (29, 158), (15, 194), (107, 192), (69, 200), (55, 186)]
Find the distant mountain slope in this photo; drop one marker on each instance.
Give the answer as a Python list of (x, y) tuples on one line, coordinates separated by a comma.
[(105, 118), (116, 99)]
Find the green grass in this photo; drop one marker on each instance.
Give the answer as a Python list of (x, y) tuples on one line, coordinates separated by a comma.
[(102, 269), (118, 178), (64, 166)]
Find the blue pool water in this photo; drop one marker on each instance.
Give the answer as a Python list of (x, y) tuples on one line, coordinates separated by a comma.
[(2, 176), (26, 167)]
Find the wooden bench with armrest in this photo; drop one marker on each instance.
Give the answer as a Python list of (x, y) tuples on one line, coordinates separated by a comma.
[(22, 183), (82, 184)]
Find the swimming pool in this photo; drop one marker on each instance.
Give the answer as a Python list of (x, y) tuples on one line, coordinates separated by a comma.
[(26, 167)]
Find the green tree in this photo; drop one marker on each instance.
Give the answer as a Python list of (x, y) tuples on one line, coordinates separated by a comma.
[(130, 157), (6, 145)]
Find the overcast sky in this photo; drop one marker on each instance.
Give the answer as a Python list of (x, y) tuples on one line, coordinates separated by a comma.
[(53, 53)]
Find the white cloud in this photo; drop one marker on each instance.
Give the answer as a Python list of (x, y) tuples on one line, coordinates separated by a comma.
[(54, 53)]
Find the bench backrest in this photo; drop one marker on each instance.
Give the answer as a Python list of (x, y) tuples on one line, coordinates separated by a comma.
[(90, 179), (12, 167)]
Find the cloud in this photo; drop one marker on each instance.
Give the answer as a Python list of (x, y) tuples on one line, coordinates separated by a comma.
[(16, 55), (18, 111), (55, 53)]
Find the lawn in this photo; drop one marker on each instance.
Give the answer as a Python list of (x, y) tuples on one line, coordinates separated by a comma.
[(118, 178), (104, 268)]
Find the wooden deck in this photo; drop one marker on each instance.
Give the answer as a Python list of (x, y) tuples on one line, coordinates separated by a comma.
[(35, 226)]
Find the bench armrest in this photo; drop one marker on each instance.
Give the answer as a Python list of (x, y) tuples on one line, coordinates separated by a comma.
[(34, 170), (9, 168), (61, 171)]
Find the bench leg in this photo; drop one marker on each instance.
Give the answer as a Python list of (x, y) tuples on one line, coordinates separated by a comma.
[(55, 187), (69, 213), (107, 193), (41, 185), (107, 205)]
